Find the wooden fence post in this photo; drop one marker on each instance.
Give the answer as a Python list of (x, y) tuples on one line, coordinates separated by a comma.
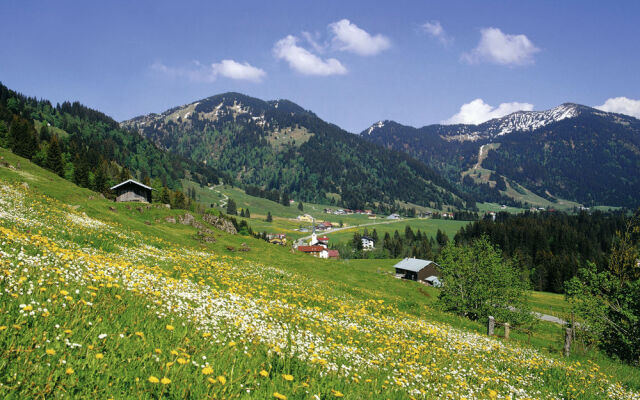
[(567, 342), (490, 326), (506, 331)]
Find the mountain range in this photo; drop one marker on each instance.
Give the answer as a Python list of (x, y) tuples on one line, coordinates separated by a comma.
[(279, 145), (571, 151)]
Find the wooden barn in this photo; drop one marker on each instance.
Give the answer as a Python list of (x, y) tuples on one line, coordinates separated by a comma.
[(416, 269), (131, 190)]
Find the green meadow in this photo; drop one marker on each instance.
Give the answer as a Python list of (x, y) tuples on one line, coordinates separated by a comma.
[(112, 300)]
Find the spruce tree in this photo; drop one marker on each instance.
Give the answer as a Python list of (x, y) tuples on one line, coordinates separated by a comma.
[(125, 174), (247, 213), (54, 157), (100, 179), (179, 200), (231, 207), (165, 196), (300, 206), (269, 217)]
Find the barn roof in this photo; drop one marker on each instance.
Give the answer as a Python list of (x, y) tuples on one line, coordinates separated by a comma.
[(413, 264), (311, 249), (131, 181)]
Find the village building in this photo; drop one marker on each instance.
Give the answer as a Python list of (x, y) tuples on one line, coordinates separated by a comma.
[(316, 251), (333, 254), (131, 190), (393, 216), (305, 218), (416, 269), (367, 243)]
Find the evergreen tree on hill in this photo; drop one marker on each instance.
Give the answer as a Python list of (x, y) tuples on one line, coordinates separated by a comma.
[(231, 207), (54, 157)]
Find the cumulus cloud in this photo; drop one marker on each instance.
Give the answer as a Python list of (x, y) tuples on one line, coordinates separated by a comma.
[(197, 72), (347, 36), (621, 105), (501, 48), (235, 70), (305, 62), (436, 31), (477, 112)]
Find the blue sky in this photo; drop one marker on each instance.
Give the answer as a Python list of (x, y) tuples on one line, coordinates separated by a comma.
[(352, 63)]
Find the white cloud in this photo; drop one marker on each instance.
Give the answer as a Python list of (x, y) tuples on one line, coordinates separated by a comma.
[(314, 41), (305, 62), (477, 112), (501, 48), (436, 31), (348, 37), (621, 105), (235, 70), (197, 72)]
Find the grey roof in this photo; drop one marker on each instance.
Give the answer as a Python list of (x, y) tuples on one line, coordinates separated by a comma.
[(412, 264), (131, 181)]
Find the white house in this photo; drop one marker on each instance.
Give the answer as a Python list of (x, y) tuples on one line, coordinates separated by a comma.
[(367, 243)]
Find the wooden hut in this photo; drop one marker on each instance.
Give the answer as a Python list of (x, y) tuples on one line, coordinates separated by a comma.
[(416, 269), (131, 190)]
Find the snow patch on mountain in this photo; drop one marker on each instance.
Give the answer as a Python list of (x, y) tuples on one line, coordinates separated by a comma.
[(520, 121), (377, 125)]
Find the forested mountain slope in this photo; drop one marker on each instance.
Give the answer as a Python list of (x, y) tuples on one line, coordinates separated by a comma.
[(571, 151), (87, 146), (279, 145)]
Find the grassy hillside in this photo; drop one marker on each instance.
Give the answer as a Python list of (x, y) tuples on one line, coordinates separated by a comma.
[(104, 300)]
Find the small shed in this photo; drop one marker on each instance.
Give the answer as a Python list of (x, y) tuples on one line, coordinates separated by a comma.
[(131, 190), (416, 269)]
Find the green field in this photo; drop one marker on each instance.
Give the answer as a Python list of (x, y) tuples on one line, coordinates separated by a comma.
[(106, 300)]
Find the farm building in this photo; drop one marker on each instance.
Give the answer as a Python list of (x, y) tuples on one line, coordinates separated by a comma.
[(416, 269), (333, 254), (131, 190), (316, 251)]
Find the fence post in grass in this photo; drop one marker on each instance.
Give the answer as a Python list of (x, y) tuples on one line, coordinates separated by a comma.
[(567, 342), (506, 330), (490, 326)]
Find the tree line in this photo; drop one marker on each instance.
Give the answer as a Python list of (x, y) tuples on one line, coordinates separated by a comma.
[(549, 247)]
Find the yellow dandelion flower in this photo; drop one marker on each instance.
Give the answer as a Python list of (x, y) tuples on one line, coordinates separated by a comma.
[(3, 327), (174, 353), (159, 351), (264, 373), (182, 361), (206, 334), (287, 377), (140, 334), (493, 394), (337, 393), (165, 381), (28, 308), (231, 344), (68, 331), (205, 370), (279, 396), (50, 352), (99, 356), (211, 380), (153, 379), (170, 327), (222, 380), (69, 371), (64, 293)]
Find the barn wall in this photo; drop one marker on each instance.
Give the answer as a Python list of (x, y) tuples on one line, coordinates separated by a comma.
[(131, 196)]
